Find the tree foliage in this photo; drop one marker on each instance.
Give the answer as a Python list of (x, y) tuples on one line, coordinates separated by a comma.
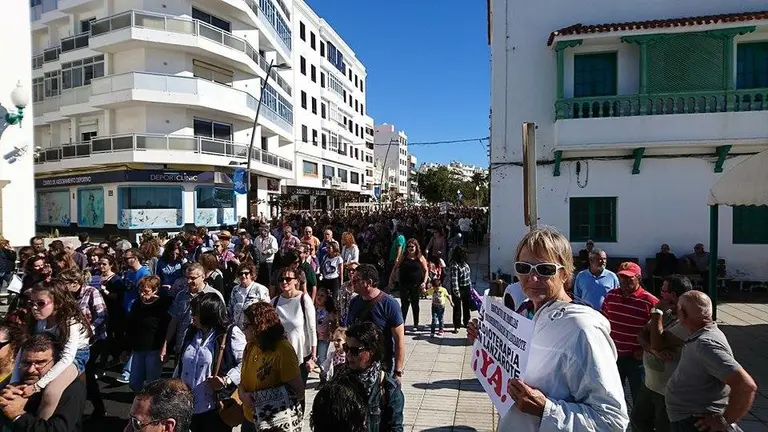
[(441, 184)]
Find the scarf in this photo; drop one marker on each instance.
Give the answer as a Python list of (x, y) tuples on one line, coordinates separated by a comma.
[(368, 378)]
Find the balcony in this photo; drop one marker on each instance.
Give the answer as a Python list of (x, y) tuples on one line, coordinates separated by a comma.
[(51, 54), (154, 148), (123, 89), (277, 25), (707, 118), (37, 62), (128, 29), (74, 42)]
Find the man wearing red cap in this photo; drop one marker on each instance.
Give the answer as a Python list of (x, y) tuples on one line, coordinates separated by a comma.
[(628, 308)]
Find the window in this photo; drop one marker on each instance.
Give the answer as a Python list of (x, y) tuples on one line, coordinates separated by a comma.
[(314, 105), (355, 80), (85, 25), (322, 110), (210, 205), (53, 207), (333, 142), (312, 40), (314, 137), (362, 112), (304, 99), (336, 58), (310, 169), (322, 79), (356, 130), (303, 65), (343, 175), (151, 197), (357, 105), (302, 31), (313, 73), (749, 225), (211, 19), (88, 136), (593, 218), (350, 75), (594, 75), (90, 207), (362, 90), (80, 72), (211, 129), (264, 144), (201, 69), (328, 172), (38, 89), (354, 178), (324, 140), (344, 93), (752, 66), (322, 49), (304, 132)]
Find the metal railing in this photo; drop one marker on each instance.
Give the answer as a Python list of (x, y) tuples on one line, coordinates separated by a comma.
[(181, 84), (35, 12), (47, 105), (188, 26), (51, 54), (663, 104), (156, 142), (37, 61), (75, 42), (76, 95), (270, 16)]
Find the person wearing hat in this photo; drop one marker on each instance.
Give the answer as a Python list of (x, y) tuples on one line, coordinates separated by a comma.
[(628, 308)]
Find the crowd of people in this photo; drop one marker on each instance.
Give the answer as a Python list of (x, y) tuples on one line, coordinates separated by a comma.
[(244, 316)]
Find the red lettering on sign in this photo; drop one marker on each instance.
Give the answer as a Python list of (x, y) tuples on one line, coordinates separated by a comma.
[(495, 381), (487, 361)]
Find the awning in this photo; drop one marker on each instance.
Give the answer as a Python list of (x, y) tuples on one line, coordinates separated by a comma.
[(745, 184)]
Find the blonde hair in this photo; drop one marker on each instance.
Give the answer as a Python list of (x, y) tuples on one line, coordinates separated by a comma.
[(341, 332), (548, 244)]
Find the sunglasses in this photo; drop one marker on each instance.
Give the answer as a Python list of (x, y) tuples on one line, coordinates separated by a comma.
[(37, 304), (353, 351), (4, 343), (286, 279), (137, 425), (542, 269), (244, 273)]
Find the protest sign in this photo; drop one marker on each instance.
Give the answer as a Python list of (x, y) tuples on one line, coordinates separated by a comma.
[(501, 350)]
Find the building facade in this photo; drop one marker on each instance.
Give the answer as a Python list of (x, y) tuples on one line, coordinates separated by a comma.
[(635, 123), (392, 148), (17, 204), (330, 104)]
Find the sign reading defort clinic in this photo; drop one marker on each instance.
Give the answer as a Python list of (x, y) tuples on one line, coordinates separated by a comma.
[(501, 351)]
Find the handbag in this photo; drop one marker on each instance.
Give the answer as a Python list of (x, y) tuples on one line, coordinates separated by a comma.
[(230, 408), (277, 410)]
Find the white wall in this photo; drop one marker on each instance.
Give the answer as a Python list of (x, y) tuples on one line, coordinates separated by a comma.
[(17, 206), (665, 203)]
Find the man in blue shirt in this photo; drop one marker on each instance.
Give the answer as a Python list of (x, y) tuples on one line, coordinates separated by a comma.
[(591, 285)]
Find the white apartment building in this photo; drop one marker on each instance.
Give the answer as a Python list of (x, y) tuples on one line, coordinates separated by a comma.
[(329, 101), (465, 172), (369, 154), (392, 148), (384, 181), (17, 202), (413, 194), (636, 122)]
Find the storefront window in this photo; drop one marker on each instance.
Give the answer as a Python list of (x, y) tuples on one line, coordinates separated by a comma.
[(214, 206), (90, 207), (150, 207), (53, 208)]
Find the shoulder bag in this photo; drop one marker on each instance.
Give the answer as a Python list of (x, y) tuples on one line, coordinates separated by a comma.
[(230, 407)]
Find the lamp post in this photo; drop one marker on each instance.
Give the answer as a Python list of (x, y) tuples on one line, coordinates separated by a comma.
[(253, 133), (477, 195), (20, 99)]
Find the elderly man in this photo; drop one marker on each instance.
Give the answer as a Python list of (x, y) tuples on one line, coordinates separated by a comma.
[(591, 285), (266, 247), (163, 405), (38, 354), (181, 314), (628, 309), (710, 391)]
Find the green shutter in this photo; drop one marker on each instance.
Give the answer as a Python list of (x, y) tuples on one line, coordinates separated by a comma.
[(686, 62), (752, 65), (750, 224), (594, 75), (593, 218)]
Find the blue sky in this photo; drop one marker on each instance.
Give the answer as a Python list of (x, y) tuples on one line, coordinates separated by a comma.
[(428, 68)]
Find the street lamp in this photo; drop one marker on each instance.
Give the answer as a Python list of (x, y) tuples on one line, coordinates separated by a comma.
[(272, 65), (477, 195)]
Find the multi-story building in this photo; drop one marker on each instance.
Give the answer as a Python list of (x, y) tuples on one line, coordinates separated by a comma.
[(413, 191), (635, 123), (16, 147), (465, 172), (369, 154), (329, 101), (385, 181), (392, 148)]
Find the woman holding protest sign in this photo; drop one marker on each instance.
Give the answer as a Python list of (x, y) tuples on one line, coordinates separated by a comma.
[(571, 382)]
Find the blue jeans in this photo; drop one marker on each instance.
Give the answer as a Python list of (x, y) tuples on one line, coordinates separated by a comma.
[(145, 366), (127, 365), (437, 317), (322, 351)]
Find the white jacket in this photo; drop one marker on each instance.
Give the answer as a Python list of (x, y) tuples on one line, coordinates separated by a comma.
[(573, 362)]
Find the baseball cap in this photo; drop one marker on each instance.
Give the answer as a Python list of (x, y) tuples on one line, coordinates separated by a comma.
[(225, 234), (629, 269)]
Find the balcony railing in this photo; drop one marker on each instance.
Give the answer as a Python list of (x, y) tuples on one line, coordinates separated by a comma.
[(75, 42), (663, 104), (51, 54), (37, 61), (45, 106), (270, 16), (153, 142), (75, 95), (187, 26)]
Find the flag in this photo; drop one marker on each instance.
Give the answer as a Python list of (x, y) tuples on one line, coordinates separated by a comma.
[(476, 298), (239, 182)]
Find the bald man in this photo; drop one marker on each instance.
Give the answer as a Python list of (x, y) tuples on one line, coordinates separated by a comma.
[(698, 396)]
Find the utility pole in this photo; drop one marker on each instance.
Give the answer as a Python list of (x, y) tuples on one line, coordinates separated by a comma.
[(529, 175)]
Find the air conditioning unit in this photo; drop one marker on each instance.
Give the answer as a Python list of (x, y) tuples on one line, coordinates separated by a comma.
[(336, 182), (326, 183)]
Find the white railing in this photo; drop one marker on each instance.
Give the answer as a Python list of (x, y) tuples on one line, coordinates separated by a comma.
[(75, 95), (156, 142), (150, 20)]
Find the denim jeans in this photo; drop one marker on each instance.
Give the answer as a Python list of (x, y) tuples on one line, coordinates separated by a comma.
[(322, 351), (437, 317), (632, 370), (145, 366), (127, 365)]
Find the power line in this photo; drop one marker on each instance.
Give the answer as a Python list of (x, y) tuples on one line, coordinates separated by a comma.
[(417, 143)]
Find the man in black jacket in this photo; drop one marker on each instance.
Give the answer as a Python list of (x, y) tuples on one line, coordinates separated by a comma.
[(38, 355)]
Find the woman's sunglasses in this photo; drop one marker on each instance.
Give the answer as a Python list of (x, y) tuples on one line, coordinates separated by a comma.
[(37, 304), (286, 279), (244, 273), (353, 351), (542, 269)]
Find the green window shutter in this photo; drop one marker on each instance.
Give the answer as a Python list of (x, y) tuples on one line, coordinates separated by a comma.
[(752, 65), (686, 62), (594, 75), (750, 224), (593, 218)]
